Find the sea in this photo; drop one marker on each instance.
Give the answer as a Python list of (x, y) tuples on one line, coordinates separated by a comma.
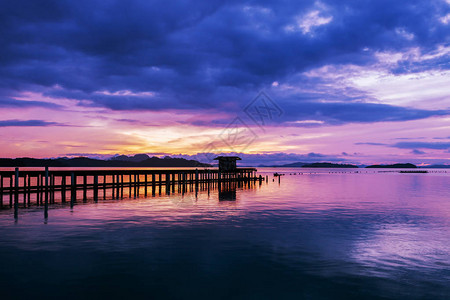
[(308, 234)]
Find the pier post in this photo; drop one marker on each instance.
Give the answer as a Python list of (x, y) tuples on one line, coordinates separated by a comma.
[(118, 188), (84, 188), (153, 185), (167, 174), (73, 188), (11, 180), (29, 189), (95, 188), (113, 186), (145, 185), (38, 190), (138, 184), (121, 186), (52, 188), (25, 190), (63, 188), (173, 182), (42, 188), (130, 184), (1, 191), (46, 194), (135, 185), (104, 187), (16, 194)]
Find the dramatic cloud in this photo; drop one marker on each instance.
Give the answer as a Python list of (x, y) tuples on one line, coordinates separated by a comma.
[(169, 59)]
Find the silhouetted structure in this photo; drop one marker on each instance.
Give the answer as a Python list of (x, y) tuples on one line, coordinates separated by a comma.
[(227, 163), (42, 186)]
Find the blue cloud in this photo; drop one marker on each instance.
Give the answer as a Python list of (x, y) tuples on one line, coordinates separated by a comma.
[(13, 103), (356, 112), (417, 152), (27, 123), (371, 144), (422, 145)]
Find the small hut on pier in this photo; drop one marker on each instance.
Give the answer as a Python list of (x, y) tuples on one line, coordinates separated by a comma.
[(227, 164)]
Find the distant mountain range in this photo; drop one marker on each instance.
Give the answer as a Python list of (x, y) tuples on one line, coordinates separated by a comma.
[(139, 160)]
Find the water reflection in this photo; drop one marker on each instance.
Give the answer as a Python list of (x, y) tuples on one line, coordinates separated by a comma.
[(326, 236), (227, 191)]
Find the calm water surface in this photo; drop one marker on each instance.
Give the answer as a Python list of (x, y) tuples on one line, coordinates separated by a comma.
[(316, 235)]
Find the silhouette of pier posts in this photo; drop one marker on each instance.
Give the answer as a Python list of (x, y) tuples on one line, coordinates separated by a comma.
[(51, 186)]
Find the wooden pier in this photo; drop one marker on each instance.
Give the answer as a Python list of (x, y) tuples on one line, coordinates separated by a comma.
[(42, 187)]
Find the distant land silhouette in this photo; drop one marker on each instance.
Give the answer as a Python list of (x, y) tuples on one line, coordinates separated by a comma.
[(394, 166), (291, 165), (333, 165), (328, 165), (312, 165), (139, 160)]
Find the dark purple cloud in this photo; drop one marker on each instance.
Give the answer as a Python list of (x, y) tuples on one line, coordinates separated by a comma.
[(207, 55)]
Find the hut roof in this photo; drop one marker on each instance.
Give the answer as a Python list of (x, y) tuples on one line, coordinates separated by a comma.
[(227, 158)]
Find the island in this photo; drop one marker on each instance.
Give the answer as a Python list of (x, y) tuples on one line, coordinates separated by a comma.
[(312, 165), (394, 166), (328, 165)]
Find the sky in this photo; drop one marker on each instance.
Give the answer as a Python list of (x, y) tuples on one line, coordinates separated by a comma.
[(348, 81)]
